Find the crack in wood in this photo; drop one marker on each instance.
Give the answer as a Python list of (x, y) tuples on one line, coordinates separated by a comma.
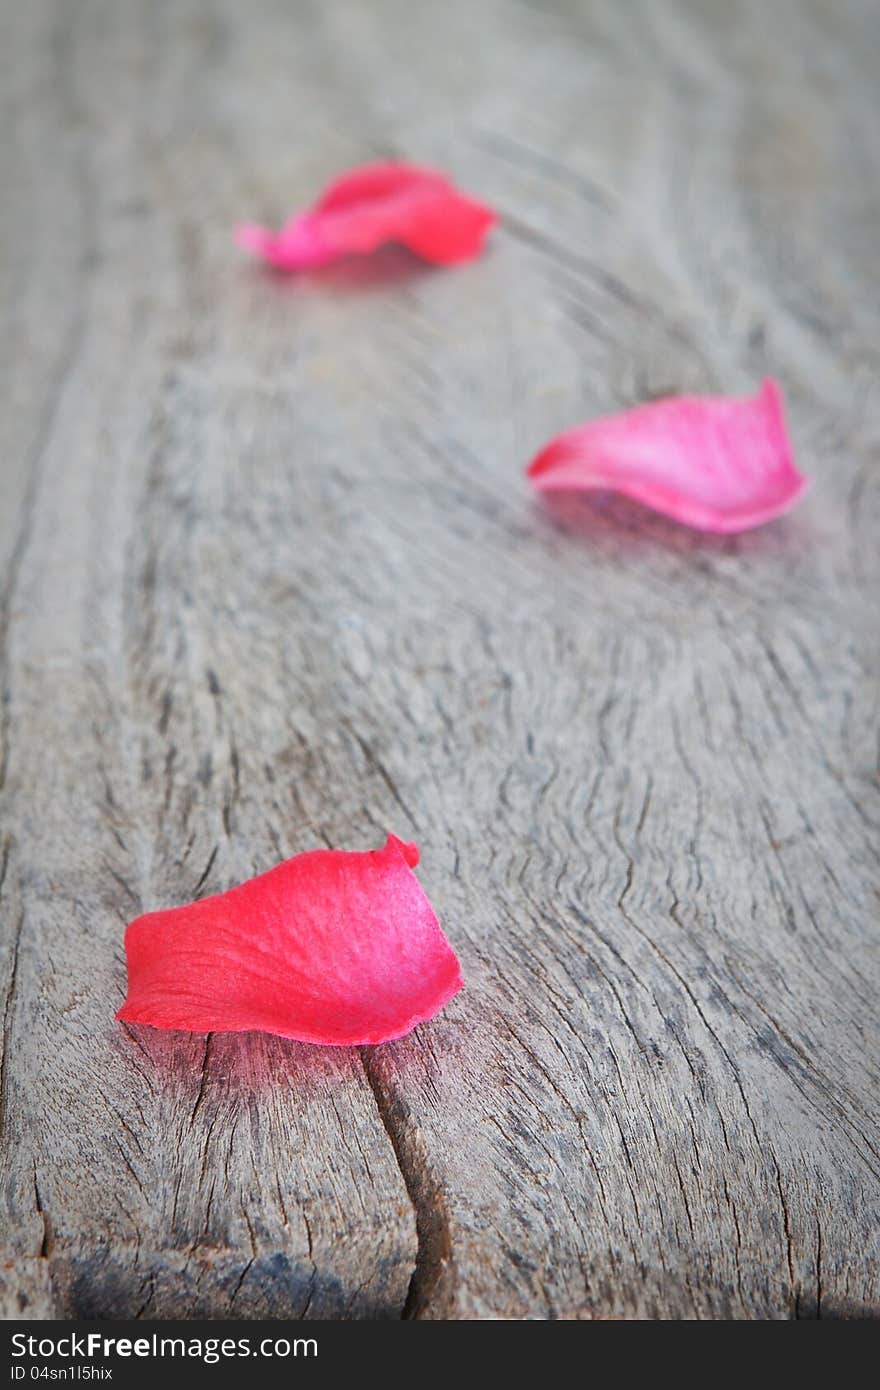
[(434, 1251)]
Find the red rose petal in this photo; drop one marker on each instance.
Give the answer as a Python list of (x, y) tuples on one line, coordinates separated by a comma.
[(718, 463), (328, 947), (367, 208)]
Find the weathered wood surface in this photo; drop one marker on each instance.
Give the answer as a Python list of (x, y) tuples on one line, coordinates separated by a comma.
[(272, 578)]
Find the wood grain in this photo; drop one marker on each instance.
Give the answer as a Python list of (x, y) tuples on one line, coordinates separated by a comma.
[(272, 578)]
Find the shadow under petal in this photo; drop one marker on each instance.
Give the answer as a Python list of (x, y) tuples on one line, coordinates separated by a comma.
[(605, 518), (388, 267), (250, 1066)]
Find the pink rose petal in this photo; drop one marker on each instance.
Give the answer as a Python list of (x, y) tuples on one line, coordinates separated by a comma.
[(370, 206), (328, 947), (718, 463)]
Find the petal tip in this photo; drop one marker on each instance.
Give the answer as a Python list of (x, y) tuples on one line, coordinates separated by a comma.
[(250, 236), (408, 848)]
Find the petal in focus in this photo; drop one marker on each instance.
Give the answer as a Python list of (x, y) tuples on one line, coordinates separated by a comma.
[(327, 947), (369, 207), (718, 463)]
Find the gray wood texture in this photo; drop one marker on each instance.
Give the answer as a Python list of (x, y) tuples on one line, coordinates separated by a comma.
[(272, 578)]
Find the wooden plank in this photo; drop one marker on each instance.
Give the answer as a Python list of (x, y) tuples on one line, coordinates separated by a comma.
[(656, 751), (273, 579), (156, 1174)]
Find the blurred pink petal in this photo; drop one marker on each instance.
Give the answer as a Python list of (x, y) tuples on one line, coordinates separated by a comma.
[(718, 463), (370, 206)]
